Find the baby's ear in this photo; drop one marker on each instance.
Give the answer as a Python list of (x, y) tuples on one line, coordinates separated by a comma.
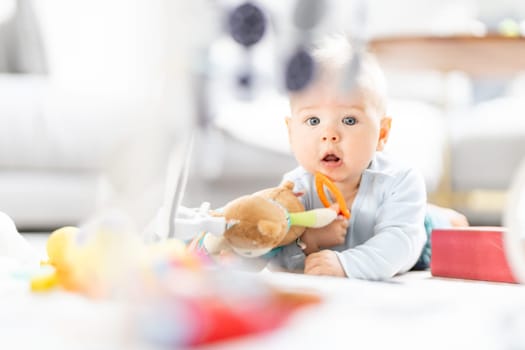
[(288, 120), (384, 132)]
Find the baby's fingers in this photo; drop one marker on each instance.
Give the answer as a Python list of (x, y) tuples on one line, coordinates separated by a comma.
[(335, 207), (341, 221)]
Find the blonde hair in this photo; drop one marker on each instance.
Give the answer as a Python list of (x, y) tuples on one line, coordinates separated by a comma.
[(335, 62)]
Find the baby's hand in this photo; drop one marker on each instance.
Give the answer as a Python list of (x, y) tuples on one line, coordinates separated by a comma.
[(328, 236), (323, 263)]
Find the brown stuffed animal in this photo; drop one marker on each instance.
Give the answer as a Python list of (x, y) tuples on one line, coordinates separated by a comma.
[(259, 222)]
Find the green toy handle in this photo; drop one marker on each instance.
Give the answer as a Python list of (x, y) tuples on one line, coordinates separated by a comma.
[(313, 218)]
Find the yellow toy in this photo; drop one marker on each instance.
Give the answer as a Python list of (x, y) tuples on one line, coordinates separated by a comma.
[(56, 268), (93, 261)]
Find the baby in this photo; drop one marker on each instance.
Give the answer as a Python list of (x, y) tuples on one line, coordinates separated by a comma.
[(341, 133)]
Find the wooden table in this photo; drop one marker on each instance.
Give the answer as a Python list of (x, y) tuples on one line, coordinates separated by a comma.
[(487, 56)]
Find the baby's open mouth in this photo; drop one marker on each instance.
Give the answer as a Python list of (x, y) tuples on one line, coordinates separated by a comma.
[(331, 158)]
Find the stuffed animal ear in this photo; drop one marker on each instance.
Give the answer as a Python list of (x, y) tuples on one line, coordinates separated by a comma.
[(289, 185), (268, 228)]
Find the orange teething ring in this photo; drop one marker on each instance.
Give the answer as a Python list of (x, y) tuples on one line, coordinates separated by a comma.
[(320, 182)]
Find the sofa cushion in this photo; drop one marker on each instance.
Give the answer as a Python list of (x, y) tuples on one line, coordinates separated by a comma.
[(46, 199), (419, 135), (43, 127), (488, 144)]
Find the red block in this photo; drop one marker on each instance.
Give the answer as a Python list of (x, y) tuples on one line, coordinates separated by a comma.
[(474, 253)]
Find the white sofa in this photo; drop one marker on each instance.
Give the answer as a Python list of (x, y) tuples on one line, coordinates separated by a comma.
[(39, 184), (53, 145), (81, 83)]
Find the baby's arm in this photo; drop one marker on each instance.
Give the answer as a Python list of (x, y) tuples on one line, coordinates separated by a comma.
[(291, 257), (325, 262), (399, 233)]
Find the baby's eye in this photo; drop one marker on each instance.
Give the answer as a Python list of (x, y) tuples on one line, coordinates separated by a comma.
[(313, 121), (349, 120)]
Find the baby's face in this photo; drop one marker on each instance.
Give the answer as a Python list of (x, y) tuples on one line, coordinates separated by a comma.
[(336, 134)]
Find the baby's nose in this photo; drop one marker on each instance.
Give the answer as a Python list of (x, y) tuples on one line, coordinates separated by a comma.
[(330, 136)]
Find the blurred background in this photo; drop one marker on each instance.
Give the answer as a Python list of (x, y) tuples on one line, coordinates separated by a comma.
[(81, 81)]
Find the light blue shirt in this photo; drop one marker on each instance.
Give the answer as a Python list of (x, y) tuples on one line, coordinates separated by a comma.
[(386, 232)]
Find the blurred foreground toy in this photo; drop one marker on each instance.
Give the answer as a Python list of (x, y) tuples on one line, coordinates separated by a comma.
[(83, 262), (210, 320), (257, 223), (172, 298), (93, 261), (192, 310)]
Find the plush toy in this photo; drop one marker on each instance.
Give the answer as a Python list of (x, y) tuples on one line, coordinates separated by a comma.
[(259, 222)]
